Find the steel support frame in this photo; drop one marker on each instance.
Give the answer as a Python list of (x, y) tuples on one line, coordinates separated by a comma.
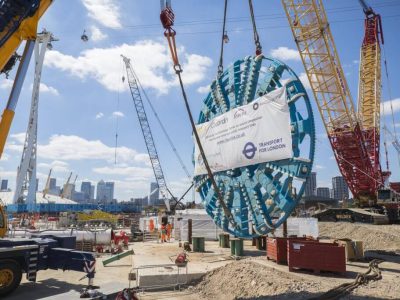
[(25, 190), (146, 131), (369, 91)]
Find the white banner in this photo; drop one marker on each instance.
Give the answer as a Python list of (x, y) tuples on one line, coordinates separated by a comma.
[(254, 133)]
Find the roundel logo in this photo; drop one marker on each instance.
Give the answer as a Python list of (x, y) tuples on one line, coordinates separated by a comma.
[(255, 106), (249, 150)]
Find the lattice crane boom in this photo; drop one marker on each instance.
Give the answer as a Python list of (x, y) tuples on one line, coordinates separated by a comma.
[(146, 131), (369, 89), (310, 28)]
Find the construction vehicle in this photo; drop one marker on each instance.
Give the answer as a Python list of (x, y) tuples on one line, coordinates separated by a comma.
[(19, 22), (354, 136), (41, 252)]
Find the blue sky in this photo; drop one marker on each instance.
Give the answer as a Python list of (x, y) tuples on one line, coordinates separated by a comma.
[(82, 94)]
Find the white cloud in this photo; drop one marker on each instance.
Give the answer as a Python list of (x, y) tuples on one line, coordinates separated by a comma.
[(18, 137), (10, 175), (319, 167), (304, 80), (385, 106), (44, 88), (106, 12), (133, 172), (5, 157), (143, 158), (72, 147), (203, 89), (97, 34), (99, 115), (6, 83), (118, 114), (285, 53), (150, 60), (56, 166)]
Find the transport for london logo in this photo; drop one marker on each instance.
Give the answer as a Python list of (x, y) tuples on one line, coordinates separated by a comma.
[(249, 150)]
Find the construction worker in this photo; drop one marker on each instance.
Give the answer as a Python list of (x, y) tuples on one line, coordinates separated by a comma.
[(169, 231), (163, 233)]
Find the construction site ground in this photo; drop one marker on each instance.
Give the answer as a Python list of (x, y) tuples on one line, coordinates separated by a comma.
[(215, 275)]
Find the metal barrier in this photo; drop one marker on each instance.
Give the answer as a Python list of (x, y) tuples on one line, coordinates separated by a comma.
[(158, 276)]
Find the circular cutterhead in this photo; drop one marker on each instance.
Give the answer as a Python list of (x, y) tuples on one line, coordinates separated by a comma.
[(260, 196)]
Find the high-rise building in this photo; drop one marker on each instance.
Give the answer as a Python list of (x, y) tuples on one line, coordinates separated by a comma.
[(37, 184), (4, 185), (110, 190), (105, 191), (85, 189), (79, 197), (101, 195), (323, 192), (340, 188), (154, 193), (311, 185), (92, 188), (52, 184)]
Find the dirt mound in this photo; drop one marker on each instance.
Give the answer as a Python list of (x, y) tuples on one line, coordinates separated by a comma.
[(244, 280), (375, 237)]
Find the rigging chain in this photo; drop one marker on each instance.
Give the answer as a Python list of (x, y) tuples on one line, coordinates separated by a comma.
[(167, 19), (255, 33)]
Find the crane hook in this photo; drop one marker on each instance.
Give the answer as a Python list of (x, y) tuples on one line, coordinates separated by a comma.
[(84, 36)]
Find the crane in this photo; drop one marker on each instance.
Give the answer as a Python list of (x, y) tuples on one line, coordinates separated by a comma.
[(354, 137), (19, 21), (369, 88), (66, 186), (395, 142), (26, 175), (47, 186), (146, 131)]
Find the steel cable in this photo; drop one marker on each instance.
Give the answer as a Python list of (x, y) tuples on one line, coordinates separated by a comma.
[(255, 32), (221, 56)]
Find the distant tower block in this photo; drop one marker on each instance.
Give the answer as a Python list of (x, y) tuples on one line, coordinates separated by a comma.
[(261, 196)]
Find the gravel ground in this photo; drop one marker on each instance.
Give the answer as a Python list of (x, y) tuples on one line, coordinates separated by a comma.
[(252, 280), (248, 279), (375, 237)]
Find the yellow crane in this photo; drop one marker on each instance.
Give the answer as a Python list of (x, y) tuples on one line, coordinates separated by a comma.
[(347, 132), (19, 22)]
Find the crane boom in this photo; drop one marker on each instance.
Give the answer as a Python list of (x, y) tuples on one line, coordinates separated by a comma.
[(146, 131), (310, 28), (369, 88), (18, 22)]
